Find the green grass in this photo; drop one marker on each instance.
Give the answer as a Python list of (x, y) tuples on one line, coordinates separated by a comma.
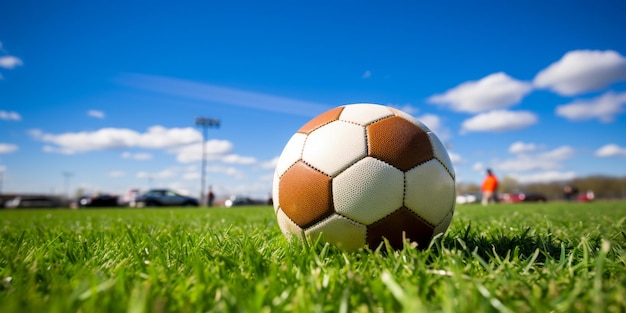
[(562, 257)]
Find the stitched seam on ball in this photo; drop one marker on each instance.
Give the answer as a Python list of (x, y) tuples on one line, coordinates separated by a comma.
[(349, 165), (433, 147), (320, 126), (444, 218), (444, 166), (287, 170), (404, 189), (422, 163), (368, 123), (302, 233), (308, 227), (315, 168), (380, 119), (411, 211), (303, 228), (350, 122), (306, 139), (343, 169), (421, 218), (350, 219)]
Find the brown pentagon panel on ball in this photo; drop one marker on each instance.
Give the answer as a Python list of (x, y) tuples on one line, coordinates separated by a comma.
[(305, 195), (321, 120), (396, 227), (399, 142)]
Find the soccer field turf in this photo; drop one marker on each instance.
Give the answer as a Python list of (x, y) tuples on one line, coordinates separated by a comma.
[(560, 257)]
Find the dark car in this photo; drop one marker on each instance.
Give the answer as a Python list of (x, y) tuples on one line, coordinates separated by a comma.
[(33, 202), (164, 197), (104, 200), (242, 201), (523, 197)]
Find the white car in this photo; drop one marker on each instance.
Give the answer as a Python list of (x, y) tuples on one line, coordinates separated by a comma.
[(468, 198)]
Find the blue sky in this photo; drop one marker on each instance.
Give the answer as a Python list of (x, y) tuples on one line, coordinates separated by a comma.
[(109, 91)]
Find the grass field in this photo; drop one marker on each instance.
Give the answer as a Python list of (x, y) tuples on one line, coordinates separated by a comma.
[(562, 257)]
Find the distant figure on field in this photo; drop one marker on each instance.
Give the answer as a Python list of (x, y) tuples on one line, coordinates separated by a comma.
[(490, 188), (211, 196), (570, 193)]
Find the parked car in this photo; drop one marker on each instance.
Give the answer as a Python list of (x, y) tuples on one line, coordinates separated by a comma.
[(523, 197), (475, 197), (164, 197), (587, 196), (241, 200), (103, 200), (33, 202)]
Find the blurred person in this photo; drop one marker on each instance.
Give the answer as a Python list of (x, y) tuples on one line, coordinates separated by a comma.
[(211, 196), (570, 193), (489, 188)]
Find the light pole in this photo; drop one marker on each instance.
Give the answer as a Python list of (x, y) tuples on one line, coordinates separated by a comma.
[(205, 123), (67, 176)]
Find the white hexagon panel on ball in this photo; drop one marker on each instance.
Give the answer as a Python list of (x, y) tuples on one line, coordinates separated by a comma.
[(430, 191), (340, 231), (291, 153), (364, 113), (288, 227), (334, 146), (368, 191)]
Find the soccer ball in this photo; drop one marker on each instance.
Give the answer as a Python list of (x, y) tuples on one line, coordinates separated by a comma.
[(363, 172)]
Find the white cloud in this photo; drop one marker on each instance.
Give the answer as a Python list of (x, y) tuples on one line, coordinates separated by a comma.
[(499, 121), (267, 178), (191, 176), (546, 161), (237, 159), (560, 153), (455, 158), (215, 149), (3, 169), (96, 114), (582, 71), (603, 108), (367, 74), (258, 190), (496, 91), (59, 150), (10, 62), (180, 188), (157, 137), (271, 164), (545, 177), (610, 150), (520, 147), (407, 108), (226, 170), (478, 166), (164, 174), (6, 148), (10, 116), (116, 174), (137, 156), (435, 124)]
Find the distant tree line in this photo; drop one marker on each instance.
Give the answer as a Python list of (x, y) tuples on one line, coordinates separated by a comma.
[(604, 187)]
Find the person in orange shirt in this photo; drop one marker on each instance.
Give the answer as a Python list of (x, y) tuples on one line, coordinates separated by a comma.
[(490, 188)]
